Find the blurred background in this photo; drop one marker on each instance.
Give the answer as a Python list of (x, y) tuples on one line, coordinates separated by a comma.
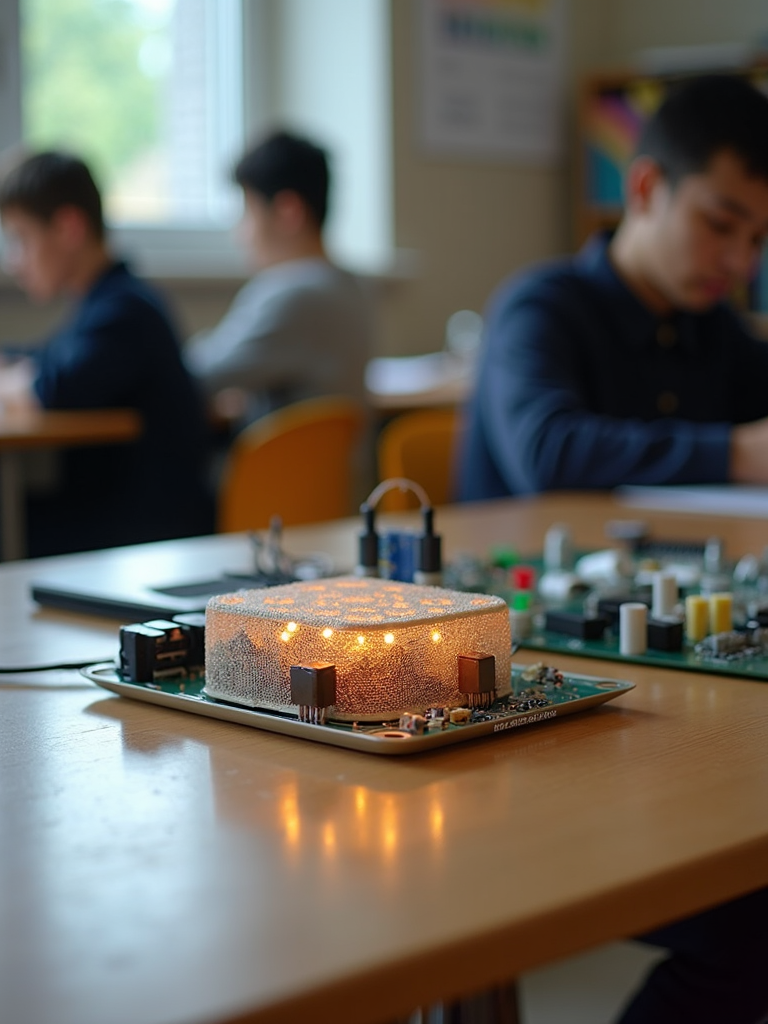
[(161, 95)]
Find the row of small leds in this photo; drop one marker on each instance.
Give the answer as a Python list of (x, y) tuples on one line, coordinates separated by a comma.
[(291, 629)]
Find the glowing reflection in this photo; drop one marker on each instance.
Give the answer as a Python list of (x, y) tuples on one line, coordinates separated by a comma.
[(436, 821), (389, 827), (329, 837), (289, 813), (361, 800)]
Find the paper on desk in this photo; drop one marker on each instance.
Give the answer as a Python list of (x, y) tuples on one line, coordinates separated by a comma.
[(387, 375), (721, 499)]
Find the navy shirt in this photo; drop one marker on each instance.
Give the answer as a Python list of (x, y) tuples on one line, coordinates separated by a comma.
[(120, 349), (582, 386)]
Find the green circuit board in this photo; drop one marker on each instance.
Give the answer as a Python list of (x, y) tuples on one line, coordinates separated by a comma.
[(750, 663), (529, 703)]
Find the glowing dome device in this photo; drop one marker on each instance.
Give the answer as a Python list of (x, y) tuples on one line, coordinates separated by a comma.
[(356, 649)]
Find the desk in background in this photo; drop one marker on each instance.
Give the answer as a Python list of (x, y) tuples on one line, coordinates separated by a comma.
[(25, 431), (402, 383), (161, 866)]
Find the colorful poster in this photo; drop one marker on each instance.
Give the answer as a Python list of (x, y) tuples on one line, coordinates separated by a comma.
[(492, 78)]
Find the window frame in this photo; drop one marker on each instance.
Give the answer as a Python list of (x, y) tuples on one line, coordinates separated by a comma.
[(162, 251)]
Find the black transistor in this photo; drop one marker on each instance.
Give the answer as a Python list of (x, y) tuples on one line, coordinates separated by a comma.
[(313, 688), (586, 627), (665, 635), (477, 678)]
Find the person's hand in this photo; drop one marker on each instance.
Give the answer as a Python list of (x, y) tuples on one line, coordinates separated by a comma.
[(749, 453)]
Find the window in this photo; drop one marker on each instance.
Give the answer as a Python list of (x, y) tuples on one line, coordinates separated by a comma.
[(160, 96), (148, 91)]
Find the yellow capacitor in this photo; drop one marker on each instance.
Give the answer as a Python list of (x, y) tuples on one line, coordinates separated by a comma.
[(720, 613), (696, 618)]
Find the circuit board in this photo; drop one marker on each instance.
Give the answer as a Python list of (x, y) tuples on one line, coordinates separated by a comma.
[(750, 663), (530, 702), (747, 666)]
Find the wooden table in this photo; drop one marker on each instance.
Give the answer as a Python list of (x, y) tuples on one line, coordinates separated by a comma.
[(23, 431), (162, 867)]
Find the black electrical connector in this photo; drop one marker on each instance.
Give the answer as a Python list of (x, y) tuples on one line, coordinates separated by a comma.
[(368, 552), (429, 569)]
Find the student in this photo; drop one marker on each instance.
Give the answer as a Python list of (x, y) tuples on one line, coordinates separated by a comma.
[(301, 327), (625, 364), (117, 348)]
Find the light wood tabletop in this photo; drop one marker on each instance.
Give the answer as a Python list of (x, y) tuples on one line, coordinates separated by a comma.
[(160, 867), (23, 430)]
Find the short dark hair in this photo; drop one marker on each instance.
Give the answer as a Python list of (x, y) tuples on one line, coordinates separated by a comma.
[(41, 184), (703, 116), (283, 161)]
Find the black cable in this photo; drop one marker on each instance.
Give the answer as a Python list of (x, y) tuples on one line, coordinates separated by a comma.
[(18, 670)]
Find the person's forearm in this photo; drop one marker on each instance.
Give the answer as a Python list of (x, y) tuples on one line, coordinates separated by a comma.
[(749, 453), (585, 450)]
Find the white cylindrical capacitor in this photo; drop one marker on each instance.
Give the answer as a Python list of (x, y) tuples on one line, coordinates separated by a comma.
[(664, 594), (633, 628), (521, 623), (558, 548)]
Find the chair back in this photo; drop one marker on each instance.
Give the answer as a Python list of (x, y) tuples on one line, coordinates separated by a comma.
[(420, 446), (298, 463)]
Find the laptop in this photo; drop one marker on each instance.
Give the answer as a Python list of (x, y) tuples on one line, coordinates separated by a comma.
[(150, 581)]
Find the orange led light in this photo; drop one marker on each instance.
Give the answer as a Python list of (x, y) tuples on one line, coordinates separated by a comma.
[(436, 637), (327, 633), (389, 638), (292, 627), (285, 636)]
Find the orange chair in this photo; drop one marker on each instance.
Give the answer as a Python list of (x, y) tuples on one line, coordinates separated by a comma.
[(420, 446), (298, 463)]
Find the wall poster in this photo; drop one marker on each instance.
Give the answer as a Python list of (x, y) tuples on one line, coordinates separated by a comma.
[(492, 78)]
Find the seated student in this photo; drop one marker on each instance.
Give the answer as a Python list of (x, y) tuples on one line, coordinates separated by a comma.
[(625, 364), (117, 348), (301, 327)]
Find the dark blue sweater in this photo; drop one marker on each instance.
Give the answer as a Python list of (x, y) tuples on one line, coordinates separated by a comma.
[(581, 386), (120, 349)]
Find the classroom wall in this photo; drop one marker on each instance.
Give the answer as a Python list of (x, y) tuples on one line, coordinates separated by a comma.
[(471, 222)]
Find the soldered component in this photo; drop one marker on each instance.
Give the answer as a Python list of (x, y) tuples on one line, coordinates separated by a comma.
[(313, 688), (437, 718), (477, 678), (720, 644), (150, 651), (413, 722), (734, 644), (460, 716), (542, 675)]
